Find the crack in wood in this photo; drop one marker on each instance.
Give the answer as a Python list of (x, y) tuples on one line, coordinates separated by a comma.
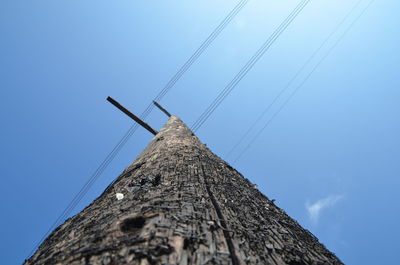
[(228, 238)]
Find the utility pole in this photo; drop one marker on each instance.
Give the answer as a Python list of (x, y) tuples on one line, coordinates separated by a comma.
[(178, 203)]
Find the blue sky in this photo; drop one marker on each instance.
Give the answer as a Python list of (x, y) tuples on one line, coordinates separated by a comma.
[(330, 158)]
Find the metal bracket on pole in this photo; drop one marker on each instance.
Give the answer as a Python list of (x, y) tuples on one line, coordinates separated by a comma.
[(131, 115), (161, 108)]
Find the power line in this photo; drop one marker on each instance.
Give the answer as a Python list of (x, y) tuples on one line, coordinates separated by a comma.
[(243, 72), (100, 169), (199, 51), (304, 80), (288, 85), (206, 43), (248, 66)]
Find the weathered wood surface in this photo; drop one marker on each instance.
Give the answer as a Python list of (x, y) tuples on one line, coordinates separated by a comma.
[(182, 205)]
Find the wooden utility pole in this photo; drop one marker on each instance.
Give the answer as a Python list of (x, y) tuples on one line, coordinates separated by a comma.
[(178, 203)]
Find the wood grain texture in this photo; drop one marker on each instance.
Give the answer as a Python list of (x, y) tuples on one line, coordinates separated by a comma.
[(182, 205)]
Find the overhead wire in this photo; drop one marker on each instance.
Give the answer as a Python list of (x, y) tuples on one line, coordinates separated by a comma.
[(251, 62), (295, 76), (202, 47), (248, 66), (329, 51), (199, 51), (77, 198), (100, 169)]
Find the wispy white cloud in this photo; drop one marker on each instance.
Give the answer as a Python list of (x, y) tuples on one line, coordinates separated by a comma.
[(314, 210)]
